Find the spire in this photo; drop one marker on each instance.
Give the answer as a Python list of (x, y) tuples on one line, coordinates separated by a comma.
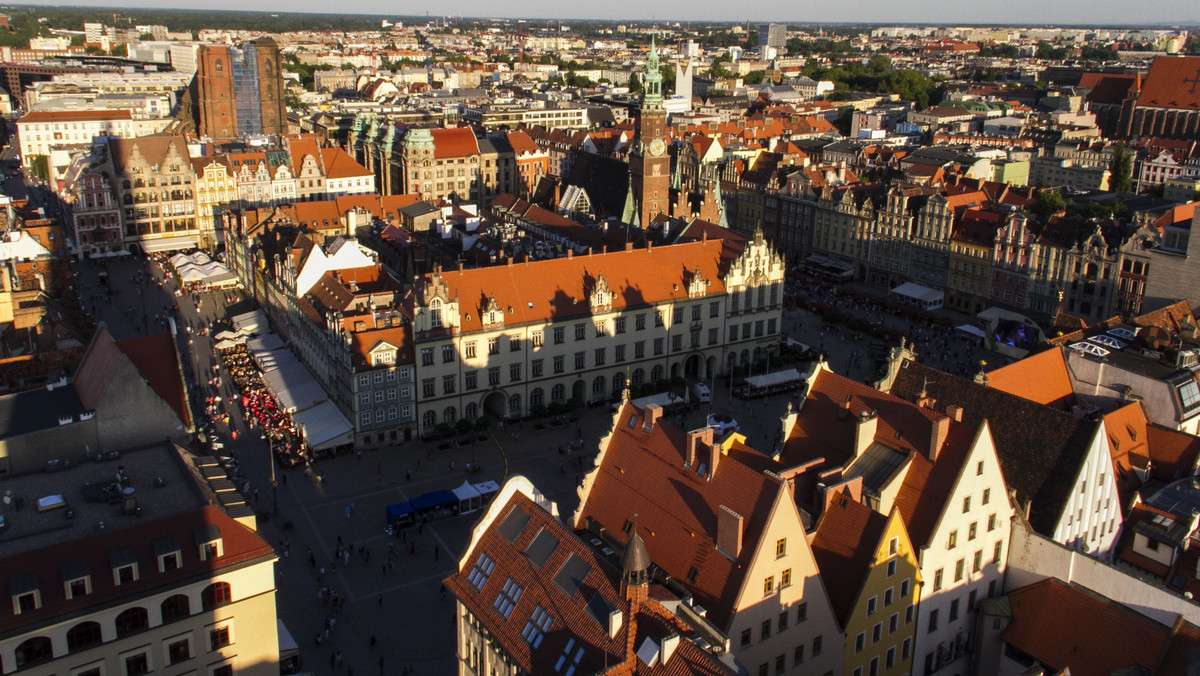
[(635, 562), (652, 82)]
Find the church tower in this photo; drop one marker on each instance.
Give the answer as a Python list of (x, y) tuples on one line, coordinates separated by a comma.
[(649, 164)]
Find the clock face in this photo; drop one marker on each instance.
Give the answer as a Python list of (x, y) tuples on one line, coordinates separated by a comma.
[(657, 147)]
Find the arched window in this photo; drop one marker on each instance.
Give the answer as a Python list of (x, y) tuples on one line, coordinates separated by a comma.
[(218, 66), (514, 405), (435, 313), (536, 396), (83, 635), (656, 373), (598, 385), (34, 650), (176, 607), (558, 393), (215, 595), (638, 376), (449, 415), (429, 419), (471, 411), (132, 620), (618, 382)]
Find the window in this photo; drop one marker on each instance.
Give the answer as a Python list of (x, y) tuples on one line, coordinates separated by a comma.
[(558, 364), (798, 656), (958, 569), (639, 350), (908, 614), (658, 346), (132, 620), (580, 360), (620, 325), (954, 610), (785, 580), (34, 650), (470, 380), (639, 322), (215, 595), (535, 368), (447, 353), (780, 547), (966, 504), (933, 620), (953, 541), (877, 633), (998, 551), (780, 664), (179, 651), (937, 579), (860, 642), (889, 660), (559, 336), (514, 344), (677, 316), (137, 664), (971, 531), (893, 623), (887, 596), (783, 620), (904, 587), (987, 496), (514, 372), (83, 635), (658, 318), (493, 376), (676, 343), (175, 607), (494, 345), (507, 599), (765, 631), (427, 356), (991, 523), (579, 329), (448, 384), (769, 585), (714, 309), (905, 648), (480, 573), (427, 386), (872, 605), (600, 356), (536, 336), (891, 568), (745, 638), (977, 565), (218, 638), (979, 468), (816, 650), (802, 615), (535, 630)]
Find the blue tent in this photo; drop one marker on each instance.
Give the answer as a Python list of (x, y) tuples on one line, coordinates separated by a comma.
[(398, 510), (434, 500)]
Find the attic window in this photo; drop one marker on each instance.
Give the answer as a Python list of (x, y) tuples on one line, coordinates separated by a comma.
[(168, 553), (693, 575), (26, 594), (627, 528), (208, 540), (77, 579), (124, 566)]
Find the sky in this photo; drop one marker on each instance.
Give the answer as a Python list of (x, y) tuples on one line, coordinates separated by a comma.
[(1012, 12)]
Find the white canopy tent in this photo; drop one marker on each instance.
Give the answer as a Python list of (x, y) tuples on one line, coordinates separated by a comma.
[(249, 320), (264, 343), (323, 426), (921, 296), (771, 379), (469, 498), (293, 387)]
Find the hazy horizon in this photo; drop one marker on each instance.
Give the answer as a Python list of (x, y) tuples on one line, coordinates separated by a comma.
[(1102, 13)]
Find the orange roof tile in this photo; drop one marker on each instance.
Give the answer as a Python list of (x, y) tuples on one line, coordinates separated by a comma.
[(339, 164), (553, 289), (1067, 627), (1041, 378), (457, 142), (1166, 85), (844, 545)]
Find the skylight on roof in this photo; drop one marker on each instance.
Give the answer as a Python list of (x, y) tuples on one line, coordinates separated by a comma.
[(535, 630), (513, 524), (539, 551), (570, 576), (480, 573), (568, 662)]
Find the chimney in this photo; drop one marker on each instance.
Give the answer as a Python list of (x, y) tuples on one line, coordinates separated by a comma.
[(652, 412), (955, 412), (669, 644), (937, 437), (845, 407), (864, 431), (570, 252), (615, 620), (729, 532), (693, 440)]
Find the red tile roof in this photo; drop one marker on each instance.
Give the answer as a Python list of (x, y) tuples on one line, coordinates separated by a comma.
[(339, 164), (458, 142), (573, 616), (844, 546), (558, 288), (156, 359), (1041, 378), (240, 546), (521, 143), (1107, 87), (1067, 627), (642, 472), (1167, 83)]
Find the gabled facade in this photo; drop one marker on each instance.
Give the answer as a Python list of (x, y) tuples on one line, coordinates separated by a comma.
[(732, 537)]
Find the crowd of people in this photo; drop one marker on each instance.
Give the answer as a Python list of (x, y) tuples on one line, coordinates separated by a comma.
[(260, 409)]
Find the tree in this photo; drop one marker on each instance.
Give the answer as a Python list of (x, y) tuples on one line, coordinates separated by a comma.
[(753, 77), (635, 84), (1048, 202), (1120, 169)]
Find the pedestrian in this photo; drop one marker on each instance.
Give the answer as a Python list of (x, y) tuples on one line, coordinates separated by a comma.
[(381, 601), (381, 665), (372, 640)]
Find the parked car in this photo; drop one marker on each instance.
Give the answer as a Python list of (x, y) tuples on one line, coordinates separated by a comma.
[(722, 424), (702, 393)]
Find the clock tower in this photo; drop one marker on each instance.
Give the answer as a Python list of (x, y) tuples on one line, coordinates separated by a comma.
[(649, 164)]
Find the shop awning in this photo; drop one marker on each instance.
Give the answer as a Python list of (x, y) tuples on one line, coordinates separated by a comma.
[(323, 426), (168, 244)]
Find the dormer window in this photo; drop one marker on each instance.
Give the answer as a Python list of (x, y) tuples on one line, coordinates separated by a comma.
[(26, 593), (208, 540), (77, 579), (124, 566), (167, 553)]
